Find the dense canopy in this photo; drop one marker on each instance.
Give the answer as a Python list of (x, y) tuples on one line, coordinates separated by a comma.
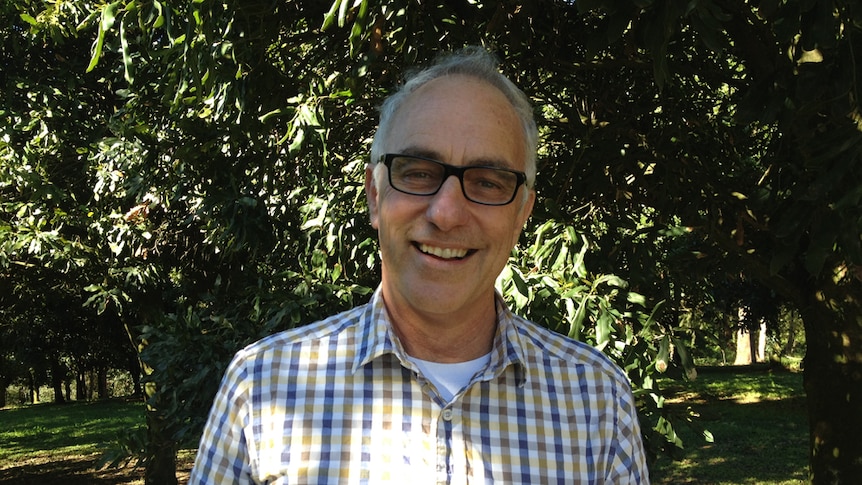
[(189, 173)]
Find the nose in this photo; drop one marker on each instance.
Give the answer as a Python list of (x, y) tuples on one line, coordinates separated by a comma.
[(447, 208)]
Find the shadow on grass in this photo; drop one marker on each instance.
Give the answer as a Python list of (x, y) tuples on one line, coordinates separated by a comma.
[(757, 440), (70, 470), (48, 469), (62, 443), (75, 428)]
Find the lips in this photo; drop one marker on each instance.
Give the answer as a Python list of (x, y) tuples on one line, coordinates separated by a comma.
[(443, 253)]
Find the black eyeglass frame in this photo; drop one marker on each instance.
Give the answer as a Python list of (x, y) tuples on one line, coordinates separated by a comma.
[(458, 172)]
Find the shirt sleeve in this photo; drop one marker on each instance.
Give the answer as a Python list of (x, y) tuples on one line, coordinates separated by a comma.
[(223, 455), (628, 465)]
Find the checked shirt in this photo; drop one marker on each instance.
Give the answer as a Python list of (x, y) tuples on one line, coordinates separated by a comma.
[(338, 402)]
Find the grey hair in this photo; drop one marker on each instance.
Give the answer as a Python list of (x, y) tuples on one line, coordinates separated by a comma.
[(471, 61)]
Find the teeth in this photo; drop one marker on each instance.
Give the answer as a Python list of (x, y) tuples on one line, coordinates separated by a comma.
[(444, 253)]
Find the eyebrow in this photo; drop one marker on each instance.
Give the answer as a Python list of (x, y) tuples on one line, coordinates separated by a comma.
[(479, 162)]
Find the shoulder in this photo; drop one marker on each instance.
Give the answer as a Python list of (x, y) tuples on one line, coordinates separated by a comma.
[(341, 325), (556, 349)]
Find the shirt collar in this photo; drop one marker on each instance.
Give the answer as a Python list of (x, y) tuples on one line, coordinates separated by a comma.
[(377, 338)]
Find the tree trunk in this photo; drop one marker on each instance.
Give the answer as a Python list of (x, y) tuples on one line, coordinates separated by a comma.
[(4, 384), (135, 372), (743, 348), (57, 375), (161, 448), (790, 345), (744, 339), (162, 466), (136, 379), (752, 347), (80, 386), (34, 389), (90, 378), (103, 383), (833, 379), (761, 343)]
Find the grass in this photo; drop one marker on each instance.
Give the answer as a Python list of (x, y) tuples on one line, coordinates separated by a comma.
[(76, 428), (758, 421), (759, 426), (61, 443)]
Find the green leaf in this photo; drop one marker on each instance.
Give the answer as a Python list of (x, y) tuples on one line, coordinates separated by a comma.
[(577, 323), (329, 18), (612, 280), (160, 19), (342, 13), (646, 331), (84, 23), (109, 12), (663, 357), (29, 19), (521, 295), (603, 329), (109, 15), (356, 33), (636, 298), (128, 72), (685, 358)]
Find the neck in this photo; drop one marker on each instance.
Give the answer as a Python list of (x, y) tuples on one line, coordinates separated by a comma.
[(445, 338)]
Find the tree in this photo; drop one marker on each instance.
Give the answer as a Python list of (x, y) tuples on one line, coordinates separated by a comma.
[(780, 198), (48, 117), (223, 144)]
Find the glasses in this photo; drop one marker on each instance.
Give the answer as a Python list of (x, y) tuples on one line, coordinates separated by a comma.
[(424, 176)]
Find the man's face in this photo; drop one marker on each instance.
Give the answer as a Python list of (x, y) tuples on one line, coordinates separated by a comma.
[(442, 253)]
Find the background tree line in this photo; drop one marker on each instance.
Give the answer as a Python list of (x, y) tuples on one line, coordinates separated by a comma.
[(186, 177)]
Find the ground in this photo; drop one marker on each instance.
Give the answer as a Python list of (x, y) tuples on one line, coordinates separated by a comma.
[(79, 470)]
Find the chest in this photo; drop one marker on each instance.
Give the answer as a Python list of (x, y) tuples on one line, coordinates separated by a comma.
[(393, 428)]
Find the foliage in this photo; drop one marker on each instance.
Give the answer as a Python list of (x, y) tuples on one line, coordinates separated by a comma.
[(548, 282), (200, 183), (48, 118), (185, 382)]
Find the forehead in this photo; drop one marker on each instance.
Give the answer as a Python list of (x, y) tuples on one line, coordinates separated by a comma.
[(459, 119)]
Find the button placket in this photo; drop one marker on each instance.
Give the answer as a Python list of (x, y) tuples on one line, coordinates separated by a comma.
[(447, 414)]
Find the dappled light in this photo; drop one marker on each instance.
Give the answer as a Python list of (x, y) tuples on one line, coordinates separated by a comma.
[(757, 438)]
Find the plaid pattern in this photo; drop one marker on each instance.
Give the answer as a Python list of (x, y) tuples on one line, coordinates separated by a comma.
[(338, 402)]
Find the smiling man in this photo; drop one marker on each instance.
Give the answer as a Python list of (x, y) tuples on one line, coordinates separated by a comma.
[(434, 380), (442, 251)]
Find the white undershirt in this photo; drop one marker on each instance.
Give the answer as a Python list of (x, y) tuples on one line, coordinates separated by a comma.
[(450, 378)]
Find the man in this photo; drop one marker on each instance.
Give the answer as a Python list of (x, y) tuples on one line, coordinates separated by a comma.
[(434, 380)]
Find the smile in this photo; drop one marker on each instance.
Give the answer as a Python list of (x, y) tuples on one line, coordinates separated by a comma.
[(444, 253)]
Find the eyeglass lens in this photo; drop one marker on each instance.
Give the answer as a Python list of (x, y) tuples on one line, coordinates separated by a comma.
[(484, 185)]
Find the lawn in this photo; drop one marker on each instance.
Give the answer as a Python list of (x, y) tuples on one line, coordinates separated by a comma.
[(758, 422), (61, 443), (759, 425)]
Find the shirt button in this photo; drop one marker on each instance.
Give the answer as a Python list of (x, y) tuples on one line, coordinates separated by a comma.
[(447, 414)]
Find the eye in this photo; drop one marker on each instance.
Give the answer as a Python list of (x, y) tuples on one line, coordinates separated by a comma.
[(417, 173), (489, 184), (489, 180)]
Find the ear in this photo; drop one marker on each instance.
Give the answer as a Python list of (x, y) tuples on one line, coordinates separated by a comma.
[(371, 195), (523, 214)]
